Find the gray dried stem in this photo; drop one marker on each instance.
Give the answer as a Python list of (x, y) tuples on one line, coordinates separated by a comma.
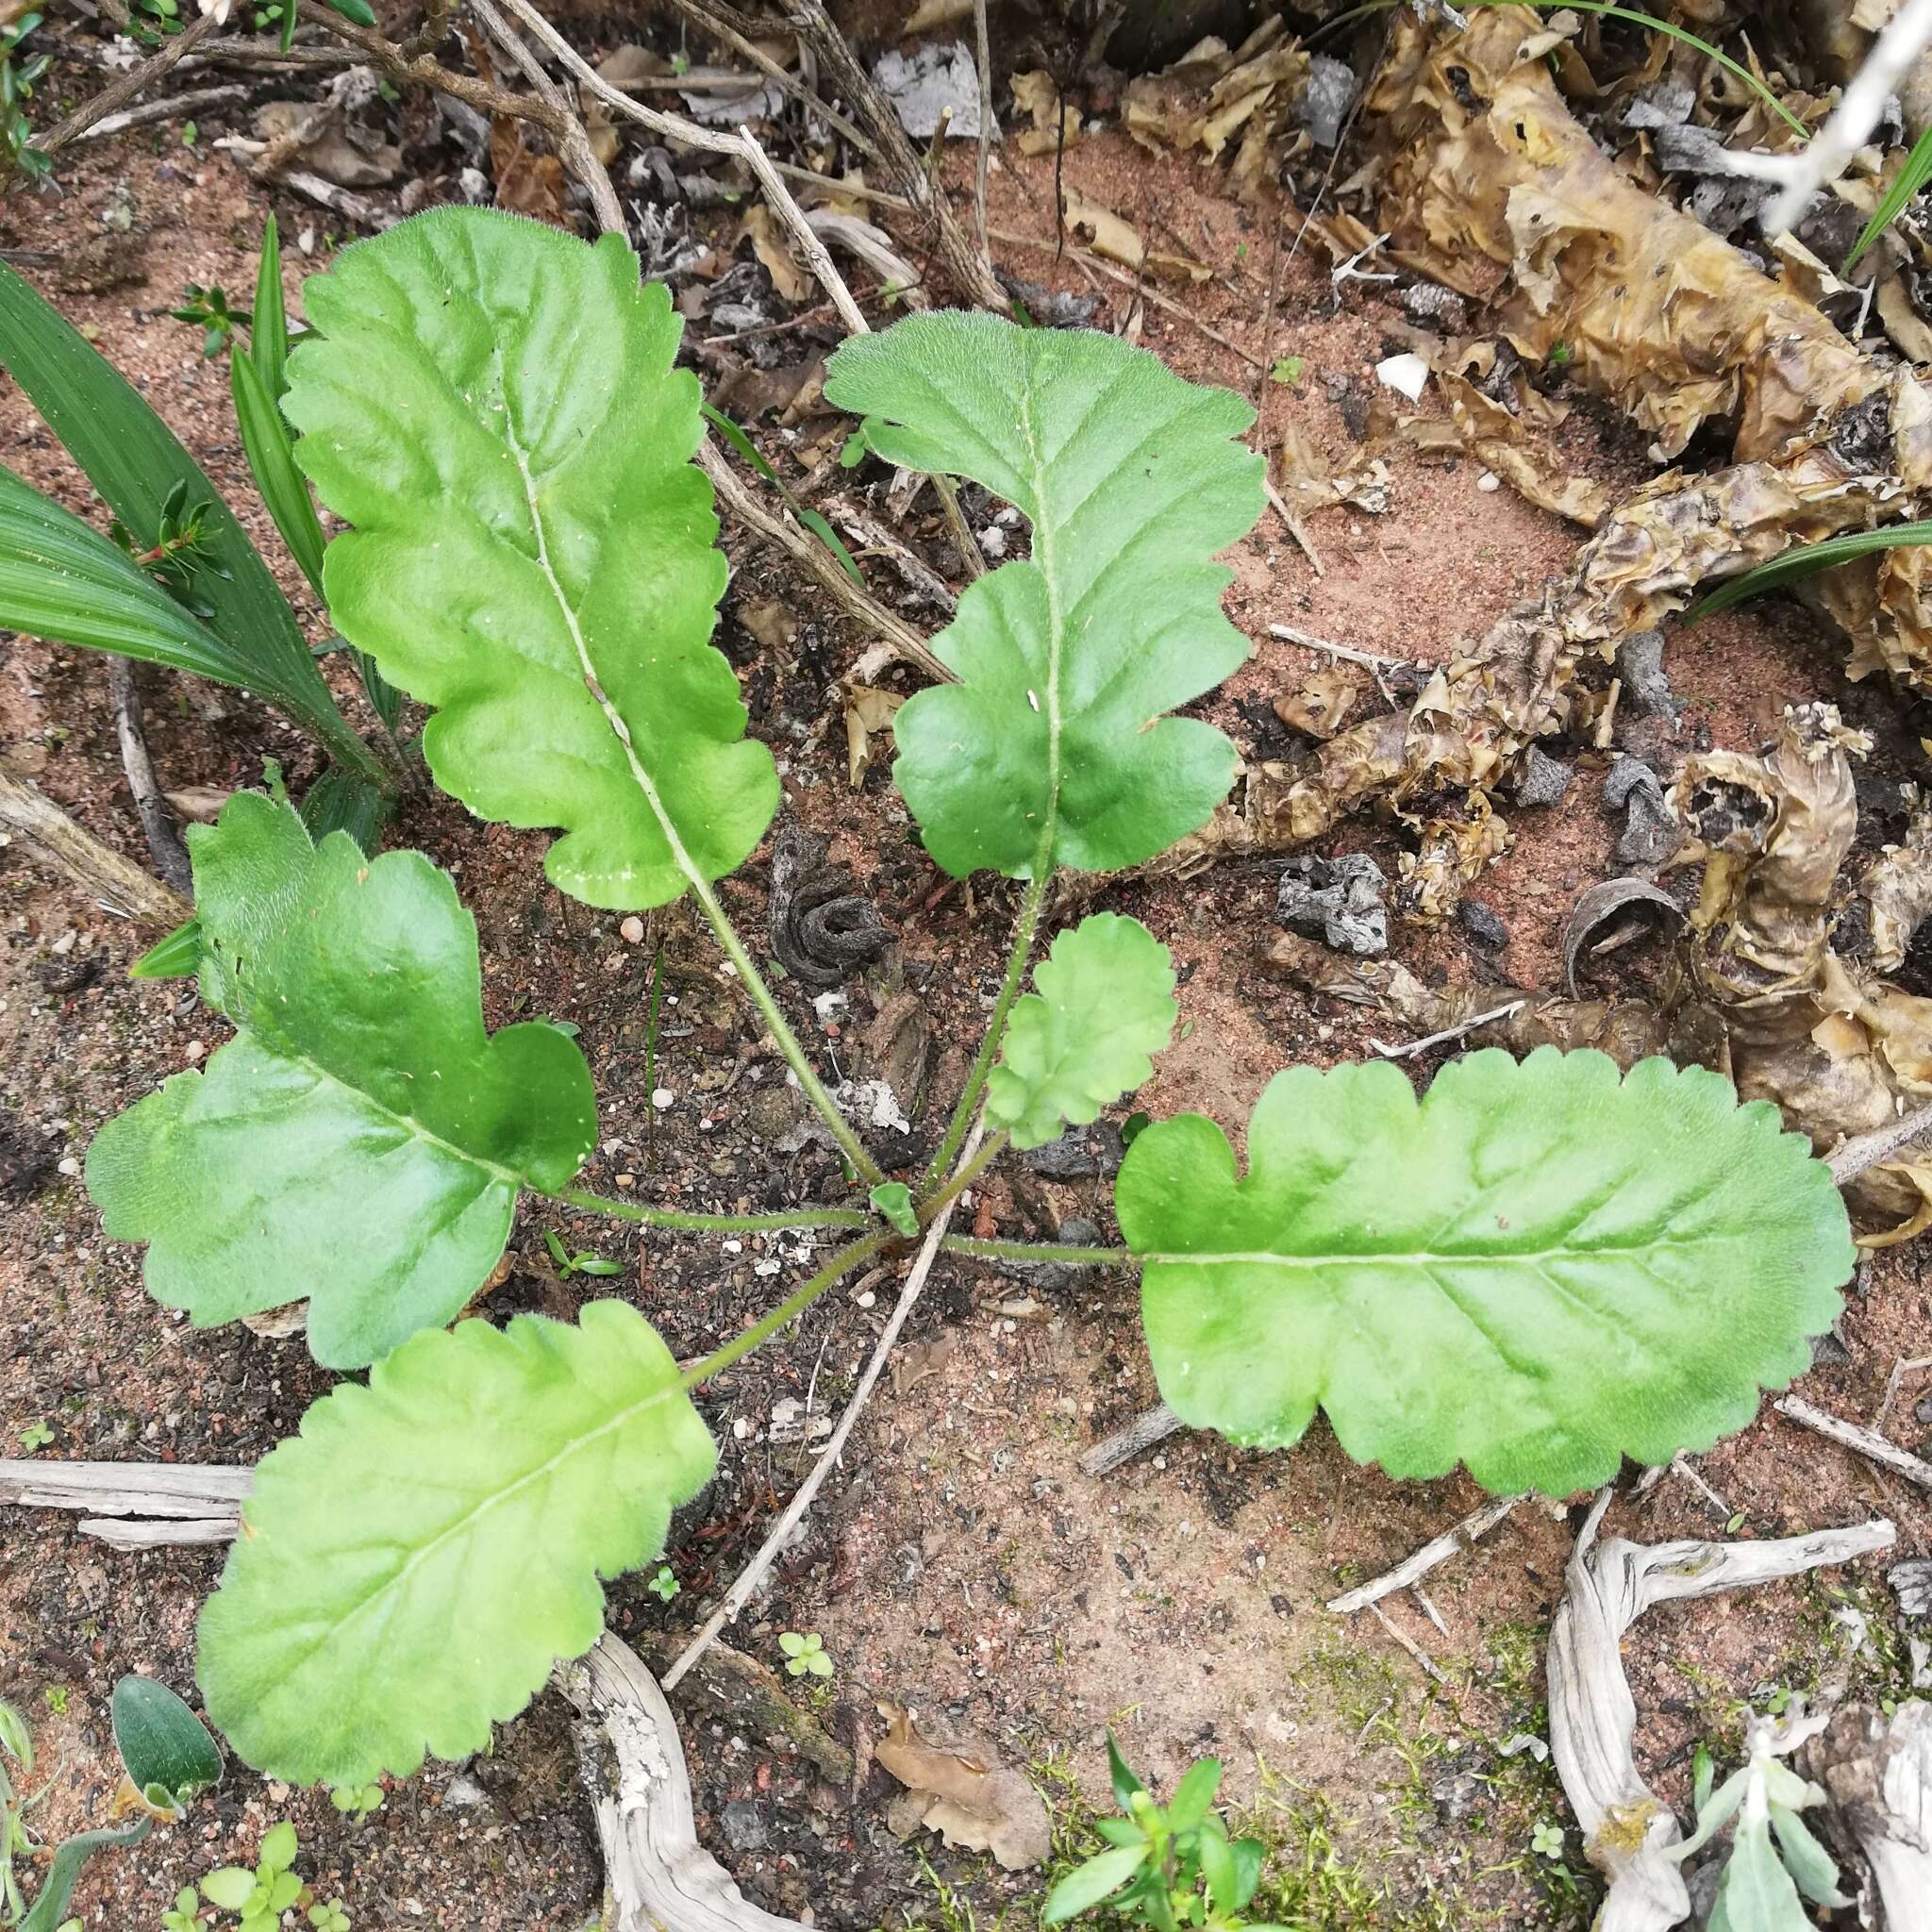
[(114, 883)]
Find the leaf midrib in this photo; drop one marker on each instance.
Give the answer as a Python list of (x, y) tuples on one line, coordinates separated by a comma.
[(1427, 1258), (1043, 543), (592, 682)]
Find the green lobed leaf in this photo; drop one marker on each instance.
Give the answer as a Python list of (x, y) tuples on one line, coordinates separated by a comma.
[(492, 406), (1105, 1004), (1132, 480), (362, 1139), (164, 1746), (1535, 1271), (416, 1560)]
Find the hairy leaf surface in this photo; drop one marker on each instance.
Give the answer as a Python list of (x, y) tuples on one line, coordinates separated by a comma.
[(414, 1561), (1105, 1004), (1067, 661), (1535, 1271), (362, 1139), (492, 405)]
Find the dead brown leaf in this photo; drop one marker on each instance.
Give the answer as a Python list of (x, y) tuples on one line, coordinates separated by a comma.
[(868, 713), (1321, 704), (964, 1794), (773, 247)]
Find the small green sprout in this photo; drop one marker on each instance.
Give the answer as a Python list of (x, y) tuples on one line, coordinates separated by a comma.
[(37, 1434), (585, 1261), (209, 307), (331, 1916), (1546, 1841), (893, 1199), (185, 1914), (663, 1586), (259, 1897), (57, 1699), (1290, 368), (805, 1655), (357, 1800), (1166, 1866)]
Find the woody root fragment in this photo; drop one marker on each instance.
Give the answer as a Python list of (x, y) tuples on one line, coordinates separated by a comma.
[(1872, 1774), (1486, 183)]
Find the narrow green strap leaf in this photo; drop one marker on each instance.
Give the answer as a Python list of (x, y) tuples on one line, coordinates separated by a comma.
[(1132, 480), (341, 801), (178, 956), (63, 580), (270, 453), (417, 1558), (1105, 1005), (1913, 176), (1806, 560), (492, 406), (267, 335), (362, 1139), (135, 460), (63, 1871), (1537, 1270)]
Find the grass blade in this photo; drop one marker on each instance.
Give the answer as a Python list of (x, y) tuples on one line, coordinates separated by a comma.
[(1911, 177), (268, 343), (809, 518), (270, 453), (1807, 559)]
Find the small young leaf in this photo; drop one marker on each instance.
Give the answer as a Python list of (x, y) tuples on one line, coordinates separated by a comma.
[(1133, 480), (1088, 1884), (268, 338), (1810, 1865), (894, 1200), (229, 1887), (1534, 1271), (492, 407), (1194, 1795), (361, 1138), (280, 1845), (178, 956), (164, 1746), (416, 1560), (270, 453), (1122, 1776), (1105, 1003), (1915, 171)]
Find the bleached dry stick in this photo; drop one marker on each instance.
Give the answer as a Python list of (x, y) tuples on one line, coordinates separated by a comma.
[(1452, 1542), (1627, 1829), (1152, 1426), (116, 884), (1867, 1442), (754, 1573)]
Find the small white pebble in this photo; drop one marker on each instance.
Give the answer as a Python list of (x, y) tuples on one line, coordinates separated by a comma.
[(662, 1098), (741, 1429), (69, 1166), (633, 931), (626, 1180), (1489, 482), (867, 1300)]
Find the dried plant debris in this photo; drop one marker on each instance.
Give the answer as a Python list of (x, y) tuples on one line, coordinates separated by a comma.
[(1337, 901), (1876, 1771), (963, 1792), (1753, 986), (1211, 95)]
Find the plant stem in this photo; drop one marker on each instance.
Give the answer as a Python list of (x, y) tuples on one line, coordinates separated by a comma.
[(762, 998), (1027, 1251), (717, 1223), (1023, 933), (848, 1258), (968, 1172)]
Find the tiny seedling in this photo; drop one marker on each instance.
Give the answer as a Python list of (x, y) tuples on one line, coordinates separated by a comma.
[(259, 1895), (584, 1261), (1170, 1866), (37, 1434), (805, 1653), (1546, 1841), (664, 1586), (1775, 1864), (209, 308), (357, 1802), (1288, 369)]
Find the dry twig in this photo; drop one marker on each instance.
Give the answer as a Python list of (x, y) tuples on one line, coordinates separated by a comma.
[(115, 884)]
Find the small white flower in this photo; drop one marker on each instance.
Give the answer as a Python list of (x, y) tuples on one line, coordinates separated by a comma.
[(219, 8)]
